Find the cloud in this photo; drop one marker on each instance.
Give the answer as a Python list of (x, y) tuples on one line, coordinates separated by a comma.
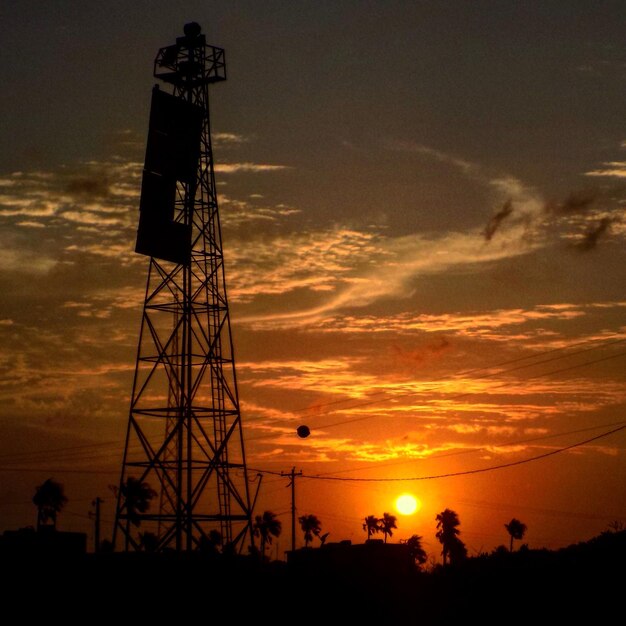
[(497, 218), (91, 217), (576, 203), (101, 303), (79, 193), (422, 354), (20, 260), (357, 282), (29, 224), (612, 169), (467, 167), (302, 366), (577, 219), (238, 212), (590, 239), (228, 139), (89, 186), (88, 209), (536, 328), (388, 268), (234, 168), (531, 209), (316, 260)]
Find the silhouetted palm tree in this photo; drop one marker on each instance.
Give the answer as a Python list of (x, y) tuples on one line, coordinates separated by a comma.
[(387, 524), (136, 495), (416, 552), (371, 525), (457, 551), (49, 499), (148, 541), (266, 526), (447, 534), (211, 543), (516, 529), (106, 546), (311, 526)]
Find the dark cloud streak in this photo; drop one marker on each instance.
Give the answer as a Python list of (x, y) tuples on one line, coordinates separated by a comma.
[(424, 353), (497, 219), (89, 186), (576, 203), (593, 235)]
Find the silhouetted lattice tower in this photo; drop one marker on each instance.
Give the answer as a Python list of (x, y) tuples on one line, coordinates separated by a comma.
[(184, 435)]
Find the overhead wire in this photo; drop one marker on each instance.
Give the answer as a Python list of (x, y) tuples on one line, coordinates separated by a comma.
[(468, 393), (454, 397), (472, 471), (373, 398), (326, 476), (479, 449), (366, 403), (12, 456)]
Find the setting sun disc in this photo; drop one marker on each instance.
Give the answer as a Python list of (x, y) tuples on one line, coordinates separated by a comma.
[(407, 504)]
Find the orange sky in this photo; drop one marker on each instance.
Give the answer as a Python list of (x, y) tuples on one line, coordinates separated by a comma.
[(424, 250)]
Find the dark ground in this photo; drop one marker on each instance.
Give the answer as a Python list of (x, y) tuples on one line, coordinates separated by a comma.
[(580, 584)]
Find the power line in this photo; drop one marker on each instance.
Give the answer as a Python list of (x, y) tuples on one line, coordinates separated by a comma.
[(64, 454), (325, 476), (11, 457), (58, 470), (479, 449), (38, 454), (372, 398), (66, 449), (468, 393), (455, 397), (473, 471), (400, 462)]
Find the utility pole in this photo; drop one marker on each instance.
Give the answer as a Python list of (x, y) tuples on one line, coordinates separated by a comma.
[(292, 483), (96, 503)]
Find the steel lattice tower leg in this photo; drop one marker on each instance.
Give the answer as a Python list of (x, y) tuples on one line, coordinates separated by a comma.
[(184, 439)]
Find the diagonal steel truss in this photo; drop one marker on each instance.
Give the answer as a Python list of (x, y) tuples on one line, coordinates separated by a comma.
[(184, 437)]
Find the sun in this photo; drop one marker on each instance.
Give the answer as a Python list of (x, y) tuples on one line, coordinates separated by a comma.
[(407, 504)]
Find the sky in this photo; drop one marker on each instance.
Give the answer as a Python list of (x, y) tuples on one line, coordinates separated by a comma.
[(423, 224)]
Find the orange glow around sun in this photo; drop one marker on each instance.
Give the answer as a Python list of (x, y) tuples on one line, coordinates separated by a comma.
[(407, 504)]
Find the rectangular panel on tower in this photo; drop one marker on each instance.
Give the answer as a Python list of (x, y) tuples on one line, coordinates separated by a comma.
[(172, 155)]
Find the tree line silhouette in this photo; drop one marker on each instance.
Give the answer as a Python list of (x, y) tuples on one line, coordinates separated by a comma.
[(550, 585), (50, 498)]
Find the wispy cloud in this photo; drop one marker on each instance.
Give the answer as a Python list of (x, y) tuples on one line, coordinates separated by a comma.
[(237, 212), (463, 323), (234, 168), (102, 302), (399, 262), (94, 192), (526, 210), (19, 259), (467, 167), (94, 204), (317, 261), (229, 138), (590, 238), (611, 169)]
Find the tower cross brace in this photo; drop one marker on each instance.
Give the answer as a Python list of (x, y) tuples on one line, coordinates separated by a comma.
[(184, 451)]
